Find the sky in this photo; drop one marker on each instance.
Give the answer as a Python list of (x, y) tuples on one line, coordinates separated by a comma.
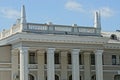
[(64, 12)]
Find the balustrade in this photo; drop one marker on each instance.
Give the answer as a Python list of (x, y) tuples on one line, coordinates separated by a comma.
[(47, 28)]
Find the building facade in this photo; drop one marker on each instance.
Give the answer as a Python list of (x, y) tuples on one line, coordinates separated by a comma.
[(32, 51)]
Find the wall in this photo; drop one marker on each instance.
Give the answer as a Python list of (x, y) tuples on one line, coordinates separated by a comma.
[(5, 55)]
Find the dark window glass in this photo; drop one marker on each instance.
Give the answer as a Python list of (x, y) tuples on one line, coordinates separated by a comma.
[(93, 77), (56, 77), (113, 59), (57, 61), (31, 77), (80, 60), (92, 59), (32, 58), (69, 58), (117, 77), (45, 58)]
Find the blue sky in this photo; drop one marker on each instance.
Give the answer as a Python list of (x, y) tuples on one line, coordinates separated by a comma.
[(65, 12)]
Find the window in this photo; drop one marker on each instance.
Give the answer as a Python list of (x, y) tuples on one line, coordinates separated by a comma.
[(56, 77), (80, 60), (119, 59), (57, 59), (31, 77), (113, 36), (69, 58), (113, 59), (93, 77), (92, 59), (117, 77), (32, 58), (45, 58)]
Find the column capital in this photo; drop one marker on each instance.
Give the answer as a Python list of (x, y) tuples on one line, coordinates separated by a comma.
[(40, 52), (75, 51), (50, 50), (14, 52), (64, 52), (23, 48), (98, 51), (87, 52)]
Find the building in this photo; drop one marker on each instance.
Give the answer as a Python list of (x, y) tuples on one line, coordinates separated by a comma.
[(32, 51)]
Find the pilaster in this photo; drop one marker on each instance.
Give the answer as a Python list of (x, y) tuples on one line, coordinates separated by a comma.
[(64, 62), (14, 61), (50, 64), (23, 63), (75, 64), (40, 57), (98, 64), (87, 65)]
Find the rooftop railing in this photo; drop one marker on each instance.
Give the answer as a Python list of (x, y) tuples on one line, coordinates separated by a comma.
[(6, 33), (49, 29), (60, 29)]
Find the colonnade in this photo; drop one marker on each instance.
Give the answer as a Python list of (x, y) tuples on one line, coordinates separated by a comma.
[(23, 51)]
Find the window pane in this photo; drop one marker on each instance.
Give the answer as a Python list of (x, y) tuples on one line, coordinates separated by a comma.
[(57, 58), (113, 59), (92, 59), (69, 58), (32, 58)]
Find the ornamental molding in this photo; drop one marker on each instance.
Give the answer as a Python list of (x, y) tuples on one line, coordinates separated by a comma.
[(59, 38)]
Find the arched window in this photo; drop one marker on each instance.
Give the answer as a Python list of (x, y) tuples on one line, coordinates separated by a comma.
[(117, 77), (113, 37), (70, 77), (56, 77), (93, 77), (31, 77)]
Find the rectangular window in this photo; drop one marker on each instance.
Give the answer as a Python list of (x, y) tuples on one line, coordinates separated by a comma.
[(69, 59), (80, 59), (119, 59), (32, 58), (92, 59), (56, 59), (113, 59)]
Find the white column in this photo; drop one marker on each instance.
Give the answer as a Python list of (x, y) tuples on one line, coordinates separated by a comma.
[(50, 64), (23, 63), (99, 65), (87, 65), (14, 60), (75, 64), (40, 56), (64, 63)]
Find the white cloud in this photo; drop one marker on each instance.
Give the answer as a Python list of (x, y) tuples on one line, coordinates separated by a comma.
[(74, 6), (106, 12), (9, 13)]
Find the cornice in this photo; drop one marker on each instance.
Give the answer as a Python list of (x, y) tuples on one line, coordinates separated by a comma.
[(63, 38), (50, 38)]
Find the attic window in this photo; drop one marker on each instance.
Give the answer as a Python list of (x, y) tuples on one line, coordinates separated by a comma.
[(113, 37)]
